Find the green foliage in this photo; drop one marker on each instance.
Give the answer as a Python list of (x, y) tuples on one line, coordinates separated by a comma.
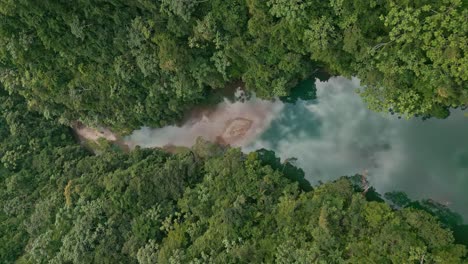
[(442, 213), (245, 212), (208, 204), (431, 76), (61, 204), (126, 64)]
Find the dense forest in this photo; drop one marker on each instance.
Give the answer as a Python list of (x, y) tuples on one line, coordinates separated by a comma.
[(124, 64), (130, 63), (209, 204)]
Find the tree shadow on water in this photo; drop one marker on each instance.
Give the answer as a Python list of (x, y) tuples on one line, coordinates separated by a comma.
[(446, 217)]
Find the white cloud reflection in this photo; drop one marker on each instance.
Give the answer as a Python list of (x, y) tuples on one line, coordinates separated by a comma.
[(337, 135), (425, 159), (210, 123)]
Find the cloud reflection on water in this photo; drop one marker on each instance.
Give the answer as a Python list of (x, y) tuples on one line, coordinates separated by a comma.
[(425, 159), (210, 123), (337, 135)]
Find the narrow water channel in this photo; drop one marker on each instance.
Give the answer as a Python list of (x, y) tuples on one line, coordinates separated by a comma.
[(327, 127)]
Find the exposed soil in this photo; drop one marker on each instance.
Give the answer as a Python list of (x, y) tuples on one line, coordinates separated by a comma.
[(93, 134), (85, 134), (234, 130)]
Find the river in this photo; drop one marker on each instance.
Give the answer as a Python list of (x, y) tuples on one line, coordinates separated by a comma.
[(327, 127)]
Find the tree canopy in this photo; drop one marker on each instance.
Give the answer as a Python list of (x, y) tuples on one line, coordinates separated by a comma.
[(208, 204), (124, 64), (130, 63)]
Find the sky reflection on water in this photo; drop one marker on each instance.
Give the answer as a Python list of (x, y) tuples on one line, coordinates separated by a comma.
[(337, 135)]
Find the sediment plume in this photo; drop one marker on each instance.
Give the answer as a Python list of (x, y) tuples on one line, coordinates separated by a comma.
[(229, 123)]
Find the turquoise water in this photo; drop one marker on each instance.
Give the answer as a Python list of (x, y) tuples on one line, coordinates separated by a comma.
[(328, 128)]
